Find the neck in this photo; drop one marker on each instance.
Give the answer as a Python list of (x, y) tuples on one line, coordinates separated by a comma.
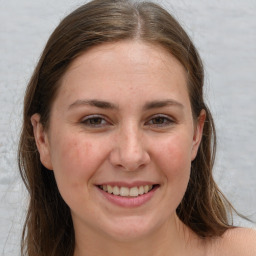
[(173, 238)]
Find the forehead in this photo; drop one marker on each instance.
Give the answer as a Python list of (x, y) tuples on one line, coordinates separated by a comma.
[(140, 55), (124, 66)]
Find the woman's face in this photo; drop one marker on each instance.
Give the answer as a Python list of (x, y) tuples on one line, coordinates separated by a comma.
[(121, 123)]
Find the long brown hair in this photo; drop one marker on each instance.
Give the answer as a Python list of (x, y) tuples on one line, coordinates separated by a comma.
[(48, 230)]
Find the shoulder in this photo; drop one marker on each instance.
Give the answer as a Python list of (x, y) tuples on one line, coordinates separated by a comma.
[(236, 242)]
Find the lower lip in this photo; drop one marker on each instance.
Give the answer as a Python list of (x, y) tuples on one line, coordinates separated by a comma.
[(129, 202)]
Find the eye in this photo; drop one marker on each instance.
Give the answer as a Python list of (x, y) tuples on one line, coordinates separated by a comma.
[(94, 121), (160, 121)]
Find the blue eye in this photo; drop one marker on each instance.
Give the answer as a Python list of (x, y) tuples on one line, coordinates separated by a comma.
[(160, 121), (94, 121)]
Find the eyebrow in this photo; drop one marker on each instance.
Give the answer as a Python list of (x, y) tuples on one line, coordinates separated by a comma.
[(162, 103), (108, 105), (94, 103)]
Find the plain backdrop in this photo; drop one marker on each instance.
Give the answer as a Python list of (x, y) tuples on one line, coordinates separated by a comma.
[(224, 32)]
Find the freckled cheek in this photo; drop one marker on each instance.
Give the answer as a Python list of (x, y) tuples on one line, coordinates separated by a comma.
[(73, 160), (173, 157)]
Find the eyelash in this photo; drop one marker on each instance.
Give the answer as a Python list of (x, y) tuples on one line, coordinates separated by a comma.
[(90, 121), (166, 121)]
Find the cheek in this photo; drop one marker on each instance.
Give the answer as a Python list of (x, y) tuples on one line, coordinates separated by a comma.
[(74, 161), (173, 162), (174, 158)]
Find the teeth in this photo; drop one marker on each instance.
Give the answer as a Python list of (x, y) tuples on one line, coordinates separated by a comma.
[(125, 191), (134, 191), (141, 190), (109, 189), (116, 190)]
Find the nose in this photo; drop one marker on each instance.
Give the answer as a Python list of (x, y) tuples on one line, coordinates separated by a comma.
[(128, 152)]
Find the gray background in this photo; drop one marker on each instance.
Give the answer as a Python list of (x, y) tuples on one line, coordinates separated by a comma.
[(225, 35)]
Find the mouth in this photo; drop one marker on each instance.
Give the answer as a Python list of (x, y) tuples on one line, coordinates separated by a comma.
[(135, 191)]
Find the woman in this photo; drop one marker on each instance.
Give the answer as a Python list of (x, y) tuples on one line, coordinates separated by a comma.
[(117, 147)]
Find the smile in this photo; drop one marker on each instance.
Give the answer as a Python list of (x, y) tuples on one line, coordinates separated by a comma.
[(125, 191)]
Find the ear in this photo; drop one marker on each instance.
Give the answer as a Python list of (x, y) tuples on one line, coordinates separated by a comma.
[(42, 141), (198, 133)]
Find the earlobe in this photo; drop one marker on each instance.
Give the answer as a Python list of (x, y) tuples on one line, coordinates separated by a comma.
[(42, 141), (198, 133)]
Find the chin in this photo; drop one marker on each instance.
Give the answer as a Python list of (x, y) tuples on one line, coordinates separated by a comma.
[(133, 228)]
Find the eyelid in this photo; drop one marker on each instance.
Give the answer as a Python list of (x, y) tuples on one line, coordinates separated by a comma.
[(92, 116), (95, 116), (169, 119), (161, 115)]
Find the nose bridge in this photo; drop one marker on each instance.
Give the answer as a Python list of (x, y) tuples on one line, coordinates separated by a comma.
[(130, 141), (129, 151)]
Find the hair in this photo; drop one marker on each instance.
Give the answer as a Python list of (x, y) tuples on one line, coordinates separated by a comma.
[(48, 229)]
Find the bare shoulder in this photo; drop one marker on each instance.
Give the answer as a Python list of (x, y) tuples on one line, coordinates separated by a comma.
[(236, 242)]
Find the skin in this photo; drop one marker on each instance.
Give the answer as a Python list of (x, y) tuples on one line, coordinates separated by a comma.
[(127, 140)]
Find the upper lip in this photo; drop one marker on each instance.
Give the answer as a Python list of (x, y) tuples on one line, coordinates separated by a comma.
[(127, 184)]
